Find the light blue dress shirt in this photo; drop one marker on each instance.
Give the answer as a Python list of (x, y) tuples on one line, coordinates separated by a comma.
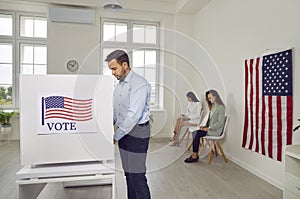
[(131, 103)]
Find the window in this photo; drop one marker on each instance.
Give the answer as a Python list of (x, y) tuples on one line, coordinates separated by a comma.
[(144, 63), (22, 50), (140, 41), (33, 59), (116, 32), (6, 24), (6, 73), (144, 34), (6, 59), (35, 27)]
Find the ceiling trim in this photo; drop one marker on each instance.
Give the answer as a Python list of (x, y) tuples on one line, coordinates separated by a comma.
[(190, 6)]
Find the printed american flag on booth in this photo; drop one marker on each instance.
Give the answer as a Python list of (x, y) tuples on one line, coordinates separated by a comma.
[(268, 104), (61, 107)]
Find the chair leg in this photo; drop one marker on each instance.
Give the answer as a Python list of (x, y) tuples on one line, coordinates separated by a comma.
[(205, 142), (190, 146), (188, 138), (183, 136), (201, 141), (201, 145), (210, 151), (221, 150), (216, 151)]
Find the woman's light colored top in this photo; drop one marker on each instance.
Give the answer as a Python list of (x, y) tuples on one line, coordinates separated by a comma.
[(193, 112)]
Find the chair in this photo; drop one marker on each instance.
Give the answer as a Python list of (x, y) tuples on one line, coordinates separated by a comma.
[(213, 141), (187, 132)]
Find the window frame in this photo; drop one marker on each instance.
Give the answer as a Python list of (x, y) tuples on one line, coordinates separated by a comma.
[(19, 43), (13, 73), (11, 40), (13, 24), (18, 25), (130, 47), (16, 40)]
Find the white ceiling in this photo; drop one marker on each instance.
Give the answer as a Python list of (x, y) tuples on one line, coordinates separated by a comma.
[(158, 6), (172, 6), (170, 1)]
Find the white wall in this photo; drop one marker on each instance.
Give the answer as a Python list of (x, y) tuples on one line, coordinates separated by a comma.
[(66, 41), (235, 30), (78, 41), (184, 68), (188, 77)]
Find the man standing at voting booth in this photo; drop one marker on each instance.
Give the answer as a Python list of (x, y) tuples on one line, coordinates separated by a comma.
[(131, 116)]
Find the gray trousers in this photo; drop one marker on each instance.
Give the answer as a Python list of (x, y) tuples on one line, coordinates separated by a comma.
[(133, 151)]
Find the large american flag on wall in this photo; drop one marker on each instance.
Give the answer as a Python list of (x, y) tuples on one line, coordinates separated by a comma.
[(268, 104)]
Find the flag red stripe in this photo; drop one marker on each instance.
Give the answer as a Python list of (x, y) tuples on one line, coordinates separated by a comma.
[(71, 112), (75, 106), (246, 106), (256, 104), (72, 119), (78, 100), (270, 129), (263, 126), (47, 115), (251, 103), (78, 110), (289, 118), (78, 103), (279, 128)]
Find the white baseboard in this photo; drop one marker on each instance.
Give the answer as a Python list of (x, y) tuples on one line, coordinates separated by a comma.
[(278, 184)]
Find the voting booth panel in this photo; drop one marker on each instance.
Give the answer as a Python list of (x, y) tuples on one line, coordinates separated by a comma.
[(65, 118)]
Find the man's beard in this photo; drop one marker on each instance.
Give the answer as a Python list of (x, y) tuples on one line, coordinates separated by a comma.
[(122, 76)]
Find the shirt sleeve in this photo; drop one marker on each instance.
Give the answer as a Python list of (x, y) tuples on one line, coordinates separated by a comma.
[(195, 111), (137, 99), (187, 109), (119, 134)]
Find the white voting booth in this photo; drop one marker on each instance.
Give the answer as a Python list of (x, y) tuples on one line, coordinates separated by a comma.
[(66, 131)]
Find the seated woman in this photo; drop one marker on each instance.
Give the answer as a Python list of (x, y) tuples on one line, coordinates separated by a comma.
[(213, 125), (190, 118)]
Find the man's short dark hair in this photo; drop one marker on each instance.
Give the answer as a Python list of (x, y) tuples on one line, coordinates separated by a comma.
[(120, 55)]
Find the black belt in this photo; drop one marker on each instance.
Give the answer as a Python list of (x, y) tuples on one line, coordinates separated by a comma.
[(144, 124)]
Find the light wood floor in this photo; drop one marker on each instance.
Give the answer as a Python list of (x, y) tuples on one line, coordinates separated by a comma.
[(169, 178)]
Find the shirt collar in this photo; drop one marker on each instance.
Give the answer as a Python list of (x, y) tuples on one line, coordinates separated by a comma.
[(128, 77)]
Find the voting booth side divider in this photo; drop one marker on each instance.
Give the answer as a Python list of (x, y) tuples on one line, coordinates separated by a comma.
[(66, 131)]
